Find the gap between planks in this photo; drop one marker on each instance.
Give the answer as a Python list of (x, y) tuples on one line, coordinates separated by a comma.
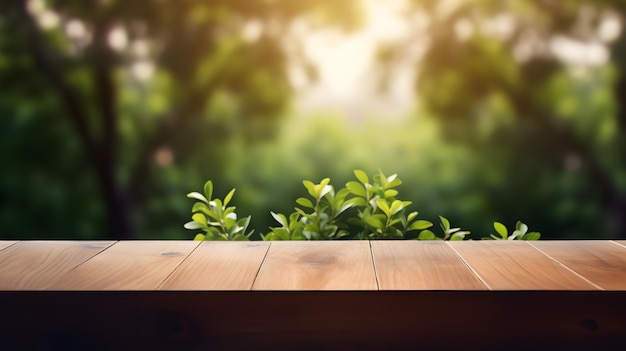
[(600, 262), (34, 265), (5, 244), (508, 265), (127, 265), (469, 266), (566, 267), (176, 268), (219, 266), (421, 265), (621, 243), (374, 266)]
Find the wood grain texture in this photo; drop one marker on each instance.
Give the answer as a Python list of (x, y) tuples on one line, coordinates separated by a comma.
[(320, 265), (33, 265), (600, 262), (510, 265), (6, 243), (620, 242), (421, 265), (128, 265), (219, 265)]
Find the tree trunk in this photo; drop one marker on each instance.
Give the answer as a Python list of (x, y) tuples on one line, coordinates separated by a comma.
[(101, 153)]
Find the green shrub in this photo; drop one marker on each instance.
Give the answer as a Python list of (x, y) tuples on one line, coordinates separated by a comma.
[(215, 219), (363, 209)]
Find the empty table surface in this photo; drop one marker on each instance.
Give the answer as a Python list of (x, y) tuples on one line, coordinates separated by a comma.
[(312, 266)]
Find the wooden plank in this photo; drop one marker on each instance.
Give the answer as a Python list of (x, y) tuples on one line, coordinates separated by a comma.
[(32, 265), (620, 242), (516, 265), (217, 265), (601, 262), (320, 265), (128, 265), (6, 243), (313, 320), (421, 265)]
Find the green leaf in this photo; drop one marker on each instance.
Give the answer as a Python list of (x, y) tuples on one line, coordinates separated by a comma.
[(244, 222), (239, 237), (200, 218), (357, 201), (458, 236), (515, 235), (420, 225), (208, 189), (521, 227), (394, 183), (321, 189), (300, 212), (361, 176), (280, 218), (200, 207), (427, 235), (396, 206), (304, 202), (445, 223), (344, 207), (394, 221), (199, 237), (280, 234), (229, 197), (192, 225), (382, 204), (374, 222), (196, 195), (219, 207), (310, 187), (532, 236), (501, 229), (330, 231), (411, 216), (356, 188), (391, 193), (325, 190)]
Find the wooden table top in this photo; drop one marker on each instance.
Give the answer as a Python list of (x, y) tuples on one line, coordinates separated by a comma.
[(311, 266)]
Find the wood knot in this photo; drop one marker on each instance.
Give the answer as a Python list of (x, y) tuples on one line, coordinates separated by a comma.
[(171, 253), (317, 259)]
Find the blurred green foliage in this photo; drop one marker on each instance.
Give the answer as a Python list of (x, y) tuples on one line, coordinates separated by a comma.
[(113, 109)]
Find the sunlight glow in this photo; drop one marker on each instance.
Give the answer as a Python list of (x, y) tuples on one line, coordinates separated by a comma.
[(75, 29), (117, 39), (576, 52), (610, 28), (142, 70), (346, 65)]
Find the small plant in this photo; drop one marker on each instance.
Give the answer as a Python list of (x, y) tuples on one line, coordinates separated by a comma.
[(316, 219), (363, 209), (448, 232), (215, 219), (380, 214), (520, 232)]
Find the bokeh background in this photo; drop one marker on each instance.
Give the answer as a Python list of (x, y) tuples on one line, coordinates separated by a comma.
[(112, 110)]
